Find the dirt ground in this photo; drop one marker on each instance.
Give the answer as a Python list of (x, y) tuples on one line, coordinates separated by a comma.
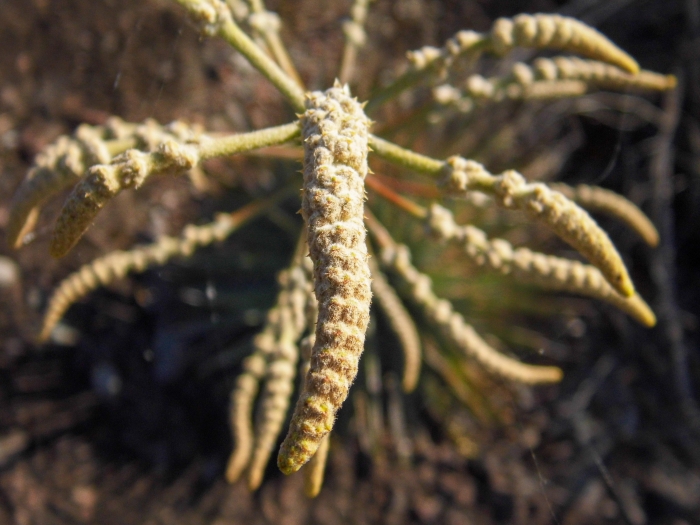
[(123, 418)]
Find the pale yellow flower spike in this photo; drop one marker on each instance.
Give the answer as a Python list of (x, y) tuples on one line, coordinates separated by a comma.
[(452, 324), (133, 167), (275, 397), (281, 372), (274, 348), (55, 168), (105, 181), (565, 218), (403, 326), (546, 271), (495, 89), (115, 265), (63, 163), (335, 132), (243, 396), (610, 203), (557, 32), (599, 74)]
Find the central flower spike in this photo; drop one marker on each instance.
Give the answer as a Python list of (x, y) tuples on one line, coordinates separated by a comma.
[(335, 130)]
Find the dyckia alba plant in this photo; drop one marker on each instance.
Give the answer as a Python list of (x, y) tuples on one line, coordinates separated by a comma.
[(319, 321)]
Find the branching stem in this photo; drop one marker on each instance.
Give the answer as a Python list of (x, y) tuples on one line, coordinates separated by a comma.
[(221, 23)]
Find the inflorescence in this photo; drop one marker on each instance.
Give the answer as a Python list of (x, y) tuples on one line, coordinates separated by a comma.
[(319, 321)]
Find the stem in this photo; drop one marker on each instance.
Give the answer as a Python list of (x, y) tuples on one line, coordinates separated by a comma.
[(249, 141), (404, 82), (414, 76), (274, 43), (233, 34), (404, 157), (222, 23)]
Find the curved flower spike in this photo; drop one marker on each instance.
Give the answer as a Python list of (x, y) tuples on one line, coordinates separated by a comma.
[(610, 203), (105, 181), (599, 74), (243, 396), (546, 271), (570, 222), (453, 326), (276, 393), (133, 167), (558, 32), (56, 168), (115, 265), (335, 132)]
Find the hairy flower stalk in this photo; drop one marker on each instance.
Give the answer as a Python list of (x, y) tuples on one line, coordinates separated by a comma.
[(335, 132)]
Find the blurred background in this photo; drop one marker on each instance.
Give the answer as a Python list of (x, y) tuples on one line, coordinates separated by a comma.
[(122, 418)]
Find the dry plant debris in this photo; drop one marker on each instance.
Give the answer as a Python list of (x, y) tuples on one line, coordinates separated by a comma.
[(325, 310)]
